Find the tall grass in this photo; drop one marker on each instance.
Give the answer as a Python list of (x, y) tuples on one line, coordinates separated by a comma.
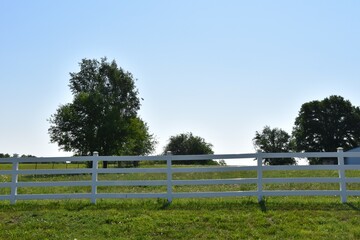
[(176, 176)]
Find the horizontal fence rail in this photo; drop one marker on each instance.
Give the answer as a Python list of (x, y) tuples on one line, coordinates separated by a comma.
[(14, 176)]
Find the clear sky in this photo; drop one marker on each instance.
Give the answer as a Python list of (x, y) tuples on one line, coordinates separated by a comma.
[(219, 69)]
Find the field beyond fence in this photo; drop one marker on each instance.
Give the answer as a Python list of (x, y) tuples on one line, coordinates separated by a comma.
[(157, 177)]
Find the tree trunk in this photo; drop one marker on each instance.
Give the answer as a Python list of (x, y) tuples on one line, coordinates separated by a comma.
[(105, 164)]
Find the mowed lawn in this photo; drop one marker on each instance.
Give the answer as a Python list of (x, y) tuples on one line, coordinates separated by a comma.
[(232, 218), (216, 218)]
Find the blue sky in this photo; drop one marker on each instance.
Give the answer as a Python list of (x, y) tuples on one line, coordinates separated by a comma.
[(219, 69)]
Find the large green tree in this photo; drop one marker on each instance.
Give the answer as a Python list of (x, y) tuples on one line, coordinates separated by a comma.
[(103, 114), (274, 140), (188, 144), (323, 126)]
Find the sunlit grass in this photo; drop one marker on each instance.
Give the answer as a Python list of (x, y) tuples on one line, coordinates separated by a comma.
[(176, 176), (216, 218)]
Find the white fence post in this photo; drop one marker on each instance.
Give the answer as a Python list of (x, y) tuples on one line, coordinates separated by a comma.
[(259, 175), (342, 176), (94, 177), (14, 179), (169, 176)]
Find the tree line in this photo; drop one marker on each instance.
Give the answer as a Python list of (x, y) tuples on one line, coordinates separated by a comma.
[(103, 117), (321, 126), (6, 155)]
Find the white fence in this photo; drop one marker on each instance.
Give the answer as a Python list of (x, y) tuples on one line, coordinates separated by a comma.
[(13, 184)]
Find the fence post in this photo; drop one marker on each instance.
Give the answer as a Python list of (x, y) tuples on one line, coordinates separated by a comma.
[(259, 175), (14, 179), (342, 176), (94, 177), (169, 176)]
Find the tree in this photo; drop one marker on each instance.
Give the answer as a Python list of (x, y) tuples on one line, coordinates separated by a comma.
[(4, 155), (188, 144), (274, 140), (28, 156), (103, 114), (323, 126)]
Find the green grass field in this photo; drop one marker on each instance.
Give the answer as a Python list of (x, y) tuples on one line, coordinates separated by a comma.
[(216, 218)]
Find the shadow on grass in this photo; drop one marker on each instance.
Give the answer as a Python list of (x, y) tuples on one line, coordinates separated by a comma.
[(353, 206), (262, 206), (214, 204)]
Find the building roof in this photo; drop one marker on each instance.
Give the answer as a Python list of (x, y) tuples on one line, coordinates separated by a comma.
[(352, 160)]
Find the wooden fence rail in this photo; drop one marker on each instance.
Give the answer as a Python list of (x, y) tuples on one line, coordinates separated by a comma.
[(169, 169)]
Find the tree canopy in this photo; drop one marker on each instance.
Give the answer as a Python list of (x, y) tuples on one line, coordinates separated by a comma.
[(274, 140), (188, 144), (103, 114), (4, 155), (323, 126)]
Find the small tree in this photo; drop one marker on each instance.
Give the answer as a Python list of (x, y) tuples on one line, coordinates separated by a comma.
[(188, 144), (4, 155), (274, 140)]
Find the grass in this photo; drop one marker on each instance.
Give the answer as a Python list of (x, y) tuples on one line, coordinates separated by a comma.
[(233, 218), (216, 218)]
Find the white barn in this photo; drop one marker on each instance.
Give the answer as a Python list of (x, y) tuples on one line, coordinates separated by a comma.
[(353, 160)]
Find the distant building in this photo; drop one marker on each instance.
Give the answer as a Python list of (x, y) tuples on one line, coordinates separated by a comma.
[(353, 160)]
